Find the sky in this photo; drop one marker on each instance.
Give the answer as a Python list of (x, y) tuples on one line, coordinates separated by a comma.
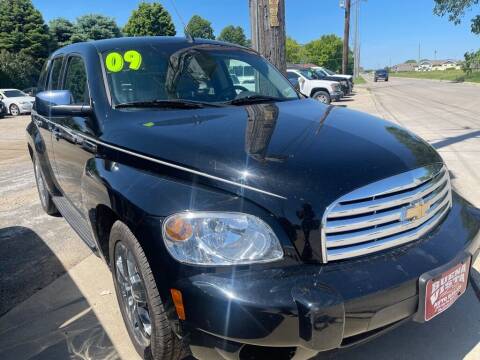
[(390, 30)]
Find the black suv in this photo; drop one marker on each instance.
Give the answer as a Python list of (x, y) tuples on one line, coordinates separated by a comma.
[(380, 74), (243, 222)]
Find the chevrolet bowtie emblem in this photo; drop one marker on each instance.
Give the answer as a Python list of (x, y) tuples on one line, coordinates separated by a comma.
[(416, 211)]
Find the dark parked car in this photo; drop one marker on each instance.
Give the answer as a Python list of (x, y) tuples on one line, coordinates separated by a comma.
[(380, 74), (242, 224), (3, 109), (31, 91), (347, 84)]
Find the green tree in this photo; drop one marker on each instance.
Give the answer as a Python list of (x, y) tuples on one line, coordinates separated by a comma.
[(22, 29), (472, 62), (94, 27), (17, 70), (234, 35), (61, 31), (296, 53), (456, 9), (199, 27), (411, 62), (150, 19), (326, 51)]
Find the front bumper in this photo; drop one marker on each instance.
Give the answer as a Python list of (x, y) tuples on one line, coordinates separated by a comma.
[(312, 308), (336, 95), (26, 108)]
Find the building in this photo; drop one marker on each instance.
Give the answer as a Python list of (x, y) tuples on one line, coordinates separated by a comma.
[(438, 65), (404, 67)]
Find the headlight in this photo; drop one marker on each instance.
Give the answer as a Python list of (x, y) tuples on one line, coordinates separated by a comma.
[(336, 87), (217, 238)]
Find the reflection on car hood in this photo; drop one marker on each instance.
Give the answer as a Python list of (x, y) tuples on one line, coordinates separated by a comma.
[(297, 149)]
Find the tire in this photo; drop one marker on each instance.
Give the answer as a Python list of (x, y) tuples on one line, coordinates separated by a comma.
[(146, 320), (43, 193), (386, 79), (322, 96), (375, 80), (14, 110)]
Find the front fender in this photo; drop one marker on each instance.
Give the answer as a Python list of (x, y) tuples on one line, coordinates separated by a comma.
[(141, 199)]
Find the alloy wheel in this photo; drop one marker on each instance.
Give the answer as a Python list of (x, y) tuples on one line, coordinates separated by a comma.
[(14, 110), (322, 98), (133, 294)]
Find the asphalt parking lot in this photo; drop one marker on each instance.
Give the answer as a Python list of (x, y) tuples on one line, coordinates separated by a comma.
[(51, 309)]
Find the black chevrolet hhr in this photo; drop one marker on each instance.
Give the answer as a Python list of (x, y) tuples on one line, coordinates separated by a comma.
[(239, 219)]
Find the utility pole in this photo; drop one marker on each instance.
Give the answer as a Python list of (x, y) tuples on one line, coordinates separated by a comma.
[(267, 21), (346, 35), (356, 47), (419, 52)]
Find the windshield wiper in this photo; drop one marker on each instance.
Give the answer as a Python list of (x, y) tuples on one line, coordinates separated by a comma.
[(172, 103), (252, 99)]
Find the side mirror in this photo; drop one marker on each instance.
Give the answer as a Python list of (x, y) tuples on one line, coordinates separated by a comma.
[(59, 103)]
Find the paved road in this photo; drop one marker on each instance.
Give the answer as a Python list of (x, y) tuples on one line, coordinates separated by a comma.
[(74, 315), (36, 248), (445, 114)]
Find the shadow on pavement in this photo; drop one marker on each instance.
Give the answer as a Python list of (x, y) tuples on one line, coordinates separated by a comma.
[(456, 139), (57, 322), (26, 265)]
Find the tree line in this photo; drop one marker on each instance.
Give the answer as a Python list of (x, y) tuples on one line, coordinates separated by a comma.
[(327, 51), (26, 40)]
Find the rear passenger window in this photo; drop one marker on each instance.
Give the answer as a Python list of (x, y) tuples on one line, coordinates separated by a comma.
[(54, 78), (76, 81)]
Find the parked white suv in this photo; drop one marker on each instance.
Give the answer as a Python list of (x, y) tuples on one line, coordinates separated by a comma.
[(322, 90), (16, 101), (331, 73)]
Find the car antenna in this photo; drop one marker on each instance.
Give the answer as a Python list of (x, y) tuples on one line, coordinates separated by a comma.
[(189, 37)]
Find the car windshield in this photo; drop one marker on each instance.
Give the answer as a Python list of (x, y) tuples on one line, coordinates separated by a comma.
[(329, 72), (202, 73), (14, 93), (320, 73)]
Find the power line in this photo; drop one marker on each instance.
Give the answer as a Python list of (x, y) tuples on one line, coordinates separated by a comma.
[(179, 16)]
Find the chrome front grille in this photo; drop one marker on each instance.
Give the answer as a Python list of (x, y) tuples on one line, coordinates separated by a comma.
[(387, 213)]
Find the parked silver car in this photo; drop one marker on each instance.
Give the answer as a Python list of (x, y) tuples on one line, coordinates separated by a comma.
[(16, 101)]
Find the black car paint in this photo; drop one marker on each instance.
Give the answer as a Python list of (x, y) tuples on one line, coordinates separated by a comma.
[(3, 109), (307, 154)]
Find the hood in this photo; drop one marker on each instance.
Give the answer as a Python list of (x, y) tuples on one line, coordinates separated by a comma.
[(308, 153), (293, 148), (343, 76)]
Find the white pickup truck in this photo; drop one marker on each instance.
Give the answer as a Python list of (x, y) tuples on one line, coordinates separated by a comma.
[(322, 90)]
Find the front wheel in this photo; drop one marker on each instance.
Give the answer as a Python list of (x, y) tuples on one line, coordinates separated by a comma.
[(322, 96), (139, 300), (14, 110)]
